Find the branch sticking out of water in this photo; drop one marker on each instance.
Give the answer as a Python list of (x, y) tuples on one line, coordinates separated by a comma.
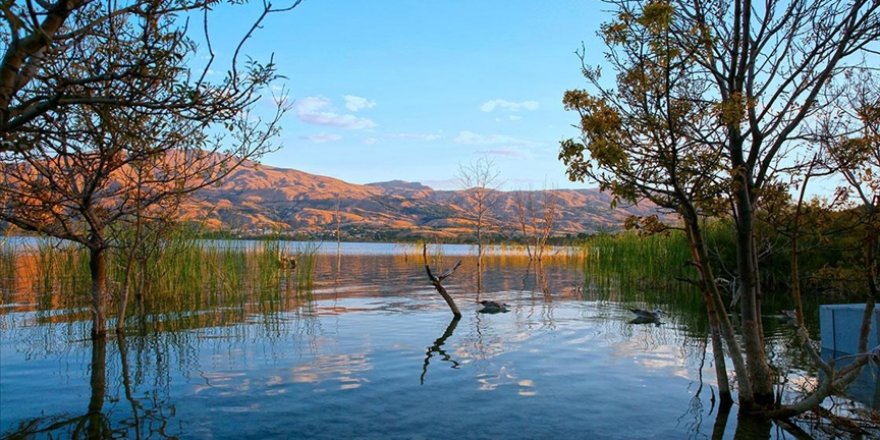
[(437, 281)]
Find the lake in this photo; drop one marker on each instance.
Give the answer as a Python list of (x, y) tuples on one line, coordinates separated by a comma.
[(370, 350)]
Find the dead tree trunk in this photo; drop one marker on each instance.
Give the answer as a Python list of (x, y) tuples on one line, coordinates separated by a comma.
[(437, 281)]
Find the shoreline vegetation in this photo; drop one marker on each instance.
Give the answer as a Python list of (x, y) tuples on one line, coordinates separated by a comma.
[(183, 262)]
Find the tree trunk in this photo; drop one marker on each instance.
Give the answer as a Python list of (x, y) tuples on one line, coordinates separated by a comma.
[(718, 323), (437, 281), (98, 272), (480, 244), (759, 371), (720, 365)]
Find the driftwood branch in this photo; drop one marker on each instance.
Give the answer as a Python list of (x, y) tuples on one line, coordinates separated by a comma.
[(437, 281)]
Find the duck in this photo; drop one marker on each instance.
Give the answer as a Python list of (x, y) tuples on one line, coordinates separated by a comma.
[(647, 314), (641, 320), (493, 307)]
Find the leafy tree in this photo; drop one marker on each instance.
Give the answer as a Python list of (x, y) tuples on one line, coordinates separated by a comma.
[(104, 121), (711, 97)]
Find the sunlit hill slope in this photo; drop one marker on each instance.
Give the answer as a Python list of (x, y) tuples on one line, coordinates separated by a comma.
[(258, 199)]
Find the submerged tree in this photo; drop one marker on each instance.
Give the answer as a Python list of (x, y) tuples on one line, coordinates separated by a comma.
[(536, 219), (711, 96), (104, 121), (479, 180)]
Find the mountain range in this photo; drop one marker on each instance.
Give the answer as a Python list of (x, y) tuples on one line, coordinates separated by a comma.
[(258, 199)]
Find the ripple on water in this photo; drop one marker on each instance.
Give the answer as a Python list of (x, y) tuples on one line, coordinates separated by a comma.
[(373, 352)]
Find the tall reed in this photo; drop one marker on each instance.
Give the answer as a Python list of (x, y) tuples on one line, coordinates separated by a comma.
[(306, 258), (629, 259), (7, 267), (178, 278)]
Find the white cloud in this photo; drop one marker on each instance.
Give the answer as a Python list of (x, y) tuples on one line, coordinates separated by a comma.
[(471, 138), (426, 137), (510, 106), (321, 138), (317, 110), (357, 103), (411, 137), (514, 117)]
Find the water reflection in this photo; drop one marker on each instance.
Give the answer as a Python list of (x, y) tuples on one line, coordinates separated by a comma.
[(336, 359), (104, 417), (437, 347)]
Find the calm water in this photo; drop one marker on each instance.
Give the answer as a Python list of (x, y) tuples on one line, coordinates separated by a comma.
[(371, 352)]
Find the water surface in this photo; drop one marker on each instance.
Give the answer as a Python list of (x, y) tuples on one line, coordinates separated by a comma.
[(372, 351)]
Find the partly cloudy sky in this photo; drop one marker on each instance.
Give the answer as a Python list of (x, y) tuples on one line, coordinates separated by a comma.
[(408, 90), (316, 110)]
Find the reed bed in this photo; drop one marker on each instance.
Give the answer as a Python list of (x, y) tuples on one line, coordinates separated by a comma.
[(628, 259), (306, 258), (7, 268), (179, 279)]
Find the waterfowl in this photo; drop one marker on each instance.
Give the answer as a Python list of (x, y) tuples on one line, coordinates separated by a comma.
[(647, 314), (493, 307), (641, 320)]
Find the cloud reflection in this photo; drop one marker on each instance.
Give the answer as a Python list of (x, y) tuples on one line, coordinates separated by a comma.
[(345, 369)]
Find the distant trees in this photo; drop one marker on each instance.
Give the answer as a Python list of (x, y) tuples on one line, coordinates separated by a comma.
[(105, 122), (479, 180), (710, 99)]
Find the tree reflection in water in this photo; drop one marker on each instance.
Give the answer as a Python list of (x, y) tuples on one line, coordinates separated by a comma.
[(146, 420), (437, 347), (93, 424)]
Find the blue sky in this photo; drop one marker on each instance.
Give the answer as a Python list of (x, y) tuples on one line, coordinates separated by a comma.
[(393, 89)]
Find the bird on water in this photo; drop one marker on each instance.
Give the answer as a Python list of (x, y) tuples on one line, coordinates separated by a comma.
[(647, 314), (493, 307)]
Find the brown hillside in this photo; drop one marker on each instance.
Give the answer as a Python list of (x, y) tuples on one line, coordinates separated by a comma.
[(259, 198)]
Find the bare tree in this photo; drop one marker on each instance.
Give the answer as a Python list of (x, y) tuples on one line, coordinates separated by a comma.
[(479, 180), (537, 219), (104, 122)]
